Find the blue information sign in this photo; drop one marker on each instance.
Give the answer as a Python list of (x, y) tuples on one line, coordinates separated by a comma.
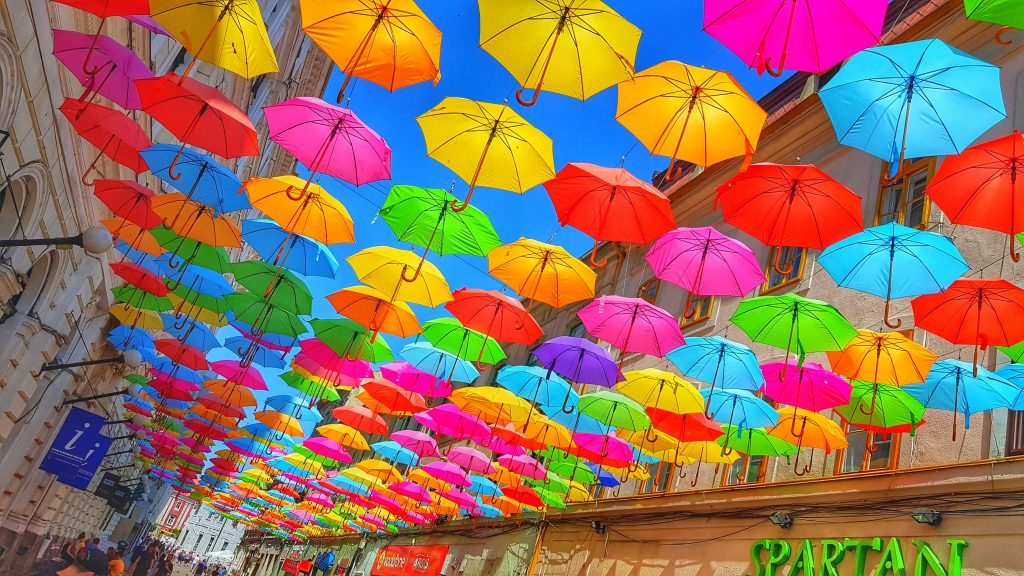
[(78, 450)]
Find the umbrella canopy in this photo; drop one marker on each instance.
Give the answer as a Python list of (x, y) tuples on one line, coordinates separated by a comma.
[(441, 364), (894, 261), (632, 325), (912, 100), (808, 429), (542, 272), (572, 48), (533, 383), (808, 36), (196, 221), (1001, 12), (374, 310), (102, 65), (117, 136), (487, 145), (471, 459), (794, 323), (385, 268), (882, 408), (886, 357), (418, 442), (962, 388), (281, 287), (808, 386), (129, 201), (719, 362), (739, 408), (292, 251), (614, 409), (495, 314), (689, 113), (318, 215), (655, 388), (694, 427), (578, 360), (754, 442)]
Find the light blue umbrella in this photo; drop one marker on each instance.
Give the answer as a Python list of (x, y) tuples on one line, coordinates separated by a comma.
[(538, 385), (913, 100), (485, 486), (574, 421), (165, 365), (191, 332), (200, 177), (141, 258), (195, 278), (488, 511), (391, 450), (952, 385), (127, 338), (719, 362), (295, 406), (293, 251), (894, 261), (261, 355), (426, 358), (1014, 374), (273, 338), (739, 408)]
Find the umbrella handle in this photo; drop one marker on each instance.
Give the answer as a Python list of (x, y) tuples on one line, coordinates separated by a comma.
[(91, 71), (1002, 41), (707, 402), (174, 164), (696, 475), (180, 323), (776, 72), (416, 272), (1014, 255), (593, 255), (456, 207), (648, 436), (792, 428), (691, 307), (778, 266), (533, 99), (671, 174), (565, 404), (888, 322), (870, 445), (798, 470)]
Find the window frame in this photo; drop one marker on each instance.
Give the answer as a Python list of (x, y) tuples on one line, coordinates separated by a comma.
[(698, 319), (894, 451), (910, 167), (1014, 433), (652, 484), (767, 288), (762, 472), (643, 288)]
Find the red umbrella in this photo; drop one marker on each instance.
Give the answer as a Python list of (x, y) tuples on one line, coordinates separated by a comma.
[(128, 200), (215, 404), (523, 494), (105, 8), (199, 115), (496, 315), (188, 356), (609, 204), (978, 187), (684, 427), (981, 312), (140, 277), (394, 398), (116, 135), (784, 205), (361, 418)]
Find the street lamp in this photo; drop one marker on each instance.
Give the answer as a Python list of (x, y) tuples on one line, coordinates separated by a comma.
[(130, 358), (95, 240)]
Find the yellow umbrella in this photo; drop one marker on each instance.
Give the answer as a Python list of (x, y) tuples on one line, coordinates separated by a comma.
[(662, 390), (578, 493), (373, 309), (487, 145), (282, 423), (546, 431), (361, 476), (542, 272), (492, 404), (883, 357), (391, 43), (379, 469), (808, 429), (301, 462), (651, 442), (572, 47), (228, 33), (345, 435), (196, 313), (132, 316), (634, 472), (383, 268), (316, 214), (690, 113)]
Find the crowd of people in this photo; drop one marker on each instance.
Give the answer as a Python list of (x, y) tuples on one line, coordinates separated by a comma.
[(150, 557)]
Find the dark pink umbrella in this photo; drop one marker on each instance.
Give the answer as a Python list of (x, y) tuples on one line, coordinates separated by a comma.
[(412, 490), (525, 465), (417, 442), (471, 459), (102, 65), (450, 420), (233, 371), (448, 472), (632, 325), (413, 380)]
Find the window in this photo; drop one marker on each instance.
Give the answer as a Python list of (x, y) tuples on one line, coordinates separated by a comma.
[(661, 478), (702, 307), (649, 290), (1015, 433), (791, 260), (578, 330), (746, 470), (856, 457), (903, 201)]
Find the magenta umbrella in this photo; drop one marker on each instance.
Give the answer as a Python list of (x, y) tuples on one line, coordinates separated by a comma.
[(233, 371), (450, 420), (327, 448), (320, 499), (413, 380), (704, 262), (602, 448), (102, 65), (808, 386), (525, 465), (471, 459), (810, 35), (448, 472), (330, 140), (417, 442), (632, 325), (460, 498), (412, 490)]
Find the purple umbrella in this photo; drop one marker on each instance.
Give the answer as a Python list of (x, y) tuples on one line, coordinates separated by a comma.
[(578, 360), (102, 65), (471, 459)]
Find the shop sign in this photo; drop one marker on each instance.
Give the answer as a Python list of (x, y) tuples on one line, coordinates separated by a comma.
[(854, 556), (406, 560), (77, 450), (290, 567)]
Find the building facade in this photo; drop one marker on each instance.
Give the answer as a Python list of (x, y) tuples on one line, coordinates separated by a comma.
[(204, 531)]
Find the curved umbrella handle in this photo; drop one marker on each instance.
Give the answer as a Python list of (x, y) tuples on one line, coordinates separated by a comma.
[(648, 437), (416, 272), (707, 402), (456, 207), (1014, 255), (89, 170), (593, 256), (888, 322), (778, 266), (532, 100), (672, 174), (792, 428), (691, 307), (805, 469), (870, 445), (565, 404), (696, 475), (179, 323), (776, 72), (999, 36), (294, 197), (174, 164)]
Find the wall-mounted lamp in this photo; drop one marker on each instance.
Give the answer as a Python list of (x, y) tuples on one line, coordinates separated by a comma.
[(598, 526), (130, 358), (927, 516), (781, 519), (95, 240)]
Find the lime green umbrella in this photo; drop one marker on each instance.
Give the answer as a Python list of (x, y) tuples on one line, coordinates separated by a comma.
[(141, 299), (424, 217), (191, 251), (573, 469), (349, 339), (309, 387), (895, 410), (794, 323), (264, 315), (614, 409), (277, 285), (754, 442), (1007, 13), (137, 379), (450, 335), (553, 482), (549, 498), (1015, 352), (214, 304), (309, 454)]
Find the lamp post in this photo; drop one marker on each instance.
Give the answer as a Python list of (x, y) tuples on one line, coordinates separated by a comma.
[(130, 358), (95, 240)]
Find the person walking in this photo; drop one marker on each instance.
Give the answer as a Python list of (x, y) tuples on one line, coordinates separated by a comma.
[(143, 561), (115, 563)]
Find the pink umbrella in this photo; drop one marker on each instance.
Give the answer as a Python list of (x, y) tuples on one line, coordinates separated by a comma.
[(320, 499), (319, 359), (233, 371), (705, 262), (448, 472), (418, 442), (632, 325), (808, 386), (463, 500), (413, 380), (327, 448), (602, 448), (102, 65), (330, 140), (165, 438), (382, 500), (196, 445), (526, 465), (471, 459), (412, 490), (450, 420), (499, 445), (808, 36)]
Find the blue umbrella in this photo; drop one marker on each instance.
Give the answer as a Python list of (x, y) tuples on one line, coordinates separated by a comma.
[(272, 338), (536, 384), (952, 385), (200, 178), (739, 408), (127, 338), (488, 511), (1014, 374), (195, 278), (426, 358), (894, 261), (295, 406), (165, 365), (141, 258), (293, 251), (261, 355), (719, 362), (485, 486), (391, 450), (574, 421), (604, 477), (913, 100), (349, 485)]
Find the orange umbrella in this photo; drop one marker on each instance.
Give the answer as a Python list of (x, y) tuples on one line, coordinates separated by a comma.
[(542, 272), (393, 397), (231, 393), (133, 235), (281, 422), (375, 310), (317, 214), (197, 221)]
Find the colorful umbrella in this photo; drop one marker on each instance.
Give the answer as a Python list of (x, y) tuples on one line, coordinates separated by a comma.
[(614, 409), (694, 427), (128, 200), (632, 325), (960, 387), (754, 442), (816, 431), (577, 360), (102, 65), (417, 442), (496, 315), (472, 460), (719, 362), (597, 48), (292, 251), (385, 267), (738, 408), (319, 215), (808, 386), (374, 310), (117, 136), (893, 409), (661, 390), (542, 272), (1001, 12), (196, 221), (894, 261), (487, 145), (883, 357)]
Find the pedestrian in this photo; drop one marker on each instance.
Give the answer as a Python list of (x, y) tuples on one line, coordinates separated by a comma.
[(95, 560), (69, 552), (115, 563), (200, 569), (143, 561), (165, 566)]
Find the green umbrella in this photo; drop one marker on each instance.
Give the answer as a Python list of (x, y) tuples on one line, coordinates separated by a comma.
[(895, 409), (553, 482), (1015, 352), (309, 454), (614, 409), (276, 284), (191, 251), (141, 299), (754, 442), (350, 340), (794, 323), (450, 335), (423, 216), (264, 315), (214, 304), (310, 387), (550, 498), (1006, 13), (137, 379)]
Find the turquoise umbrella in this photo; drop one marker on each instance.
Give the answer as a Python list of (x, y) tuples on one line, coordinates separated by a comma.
[(952, 385)]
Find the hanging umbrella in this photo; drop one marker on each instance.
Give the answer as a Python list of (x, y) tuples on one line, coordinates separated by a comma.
[(117, 136), (578, 360), (980, 312), (496, 315), (392, 44), (345, 435), (661, 390), (790, 205), (292, 251), (102, 65), (754, 442), (132, 235), (319, 215), (487, 145), (614, 409), (692, 427), (262, 356), (895, 262), (450, 420), (384, 268), (1001, 12), (808, 386), (350, 340), (884, 357), (447, 472), (542, 272), (375, 310), (576, 48), (227, 33), (279, 286), (704, 262), (719, 362), (815, 431), (810, 36), (978, 187), (198, 176), (393, 397), (632, 325), (128, 200), (691, 114), (417, 442), (414, 380), (196, 221), (183, 252), (533, 383), (395, 452), (962, 388), (912, 100), (893, 409), (140, 278), (449, 335), (739, 408), (264, 315), (472, 460)]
